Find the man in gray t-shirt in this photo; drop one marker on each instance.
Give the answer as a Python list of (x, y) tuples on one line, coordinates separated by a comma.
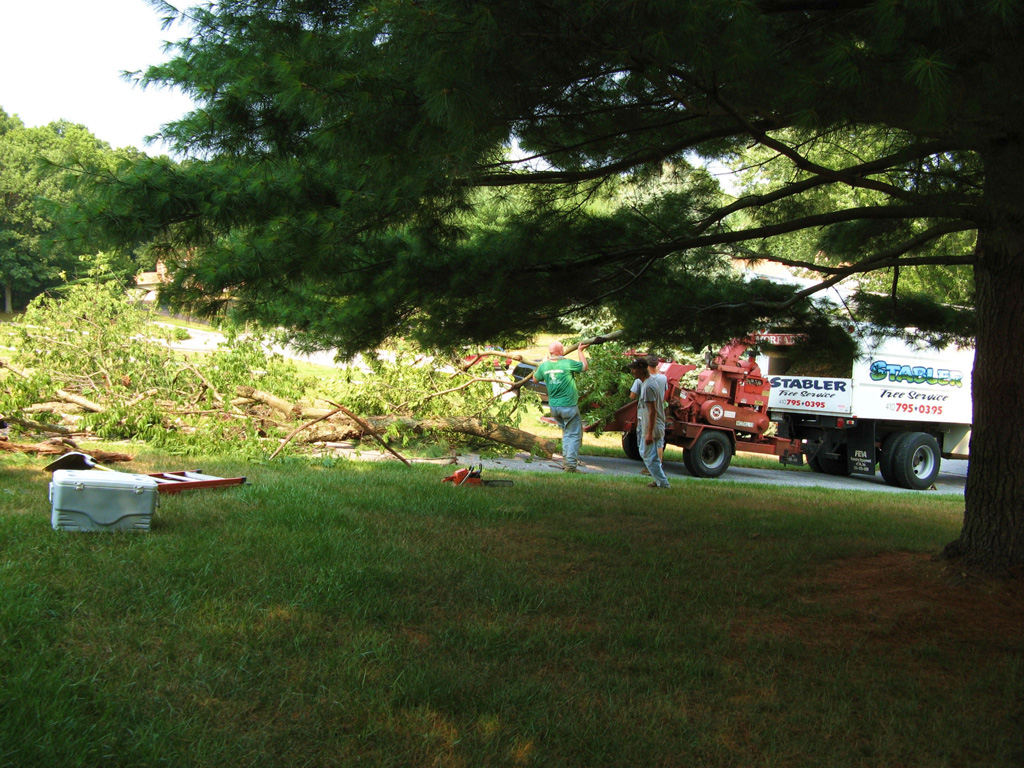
[(651, 420)]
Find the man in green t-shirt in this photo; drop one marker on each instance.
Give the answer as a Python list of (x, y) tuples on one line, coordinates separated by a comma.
[(558, 373)]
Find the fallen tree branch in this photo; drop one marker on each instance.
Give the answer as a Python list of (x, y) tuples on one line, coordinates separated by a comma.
[(595, 340), (60, 446), (497, 433), (209, 387), (89, 405), (53, 407), (298, 429), (277, 403), (366, 427), (374, 425), (4, 364), (38, 425), (140, 397), (460, 387)]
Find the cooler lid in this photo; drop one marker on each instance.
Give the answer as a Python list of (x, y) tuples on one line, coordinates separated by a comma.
[(101, 479)]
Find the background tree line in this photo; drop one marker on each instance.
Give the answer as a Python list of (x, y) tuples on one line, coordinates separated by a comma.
[(35, 188)]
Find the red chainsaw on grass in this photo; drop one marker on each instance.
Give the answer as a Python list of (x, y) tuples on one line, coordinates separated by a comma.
[(470, 476)]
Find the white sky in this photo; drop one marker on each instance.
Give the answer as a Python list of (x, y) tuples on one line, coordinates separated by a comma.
[(62, 59)]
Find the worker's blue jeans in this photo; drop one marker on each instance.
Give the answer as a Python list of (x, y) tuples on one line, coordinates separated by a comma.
[(568, 419), (649, 453)]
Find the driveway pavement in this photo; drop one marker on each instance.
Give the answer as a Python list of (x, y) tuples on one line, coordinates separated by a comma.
[(951, 479)]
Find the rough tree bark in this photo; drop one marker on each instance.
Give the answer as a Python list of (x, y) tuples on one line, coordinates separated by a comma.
[(992, 536)]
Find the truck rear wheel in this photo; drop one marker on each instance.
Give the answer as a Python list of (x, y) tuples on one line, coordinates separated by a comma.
[(819, 462), (915, 461), (630, 446), (886, 453), (710, 454)]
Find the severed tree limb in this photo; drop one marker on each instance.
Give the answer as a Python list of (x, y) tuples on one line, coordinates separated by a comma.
[(366, 427), (298, 429), (517, 438), (290, 410), (60, 446), (45, 448), (89, 405), (340, 409), (52, 407), (497, 433), (460, 387), (518, 384), (38, 425), (595, 340), (12, 369), (140, 397), (213, 390)]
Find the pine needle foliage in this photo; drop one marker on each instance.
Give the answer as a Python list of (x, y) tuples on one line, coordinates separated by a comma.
[(333, 172)]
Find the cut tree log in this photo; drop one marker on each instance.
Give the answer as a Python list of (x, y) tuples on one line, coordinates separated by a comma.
[(290, 410), (517, 438), (58, 447), (39, 426), (89, 405)]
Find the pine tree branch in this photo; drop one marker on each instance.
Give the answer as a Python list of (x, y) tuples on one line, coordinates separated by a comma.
[(654, 251), (889, 257), (903, 156), (634, 160)]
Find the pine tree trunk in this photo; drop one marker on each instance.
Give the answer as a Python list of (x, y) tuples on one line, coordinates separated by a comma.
[(993, 529), (8, 305)]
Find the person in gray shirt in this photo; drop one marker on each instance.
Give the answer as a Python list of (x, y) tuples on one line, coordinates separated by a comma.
[(651, 417)]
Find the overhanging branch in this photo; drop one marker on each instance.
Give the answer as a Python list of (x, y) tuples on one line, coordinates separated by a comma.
[(655, 251), (879, 165), (890, 257)]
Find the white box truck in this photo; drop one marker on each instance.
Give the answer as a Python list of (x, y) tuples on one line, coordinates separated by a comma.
[(900, 408)]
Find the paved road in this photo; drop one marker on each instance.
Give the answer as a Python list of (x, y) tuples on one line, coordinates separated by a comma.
[(950, 481)]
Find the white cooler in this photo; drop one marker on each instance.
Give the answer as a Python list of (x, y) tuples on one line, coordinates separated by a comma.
[(90, 500)]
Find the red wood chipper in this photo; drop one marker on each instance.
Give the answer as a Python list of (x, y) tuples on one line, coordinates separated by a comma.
[(726, 411)]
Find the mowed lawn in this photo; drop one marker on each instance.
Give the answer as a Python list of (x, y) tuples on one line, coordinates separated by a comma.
[(352, 613)]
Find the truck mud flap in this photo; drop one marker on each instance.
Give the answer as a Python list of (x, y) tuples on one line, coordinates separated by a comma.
[(860, 448)]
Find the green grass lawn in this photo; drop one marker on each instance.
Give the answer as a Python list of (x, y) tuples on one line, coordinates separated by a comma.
[(368, 614)]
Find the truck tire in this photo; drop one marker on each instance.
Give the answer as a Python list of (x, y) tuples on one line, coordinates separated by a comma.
[(630, 446), (886, 453), (710, 454), (915, 461), (819, 462)]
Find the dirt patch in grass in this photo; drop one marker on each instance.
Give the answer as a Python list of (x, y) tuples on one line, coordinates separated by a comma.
[(903, 599)]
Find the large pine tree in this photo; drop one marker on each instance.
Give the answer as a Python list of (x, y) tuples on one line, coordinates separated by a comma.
[(342, 154)]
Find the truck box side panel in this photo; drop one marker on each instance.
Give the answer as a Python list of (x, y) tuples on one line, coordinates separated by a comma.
[(811, 394), (923, 387)]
